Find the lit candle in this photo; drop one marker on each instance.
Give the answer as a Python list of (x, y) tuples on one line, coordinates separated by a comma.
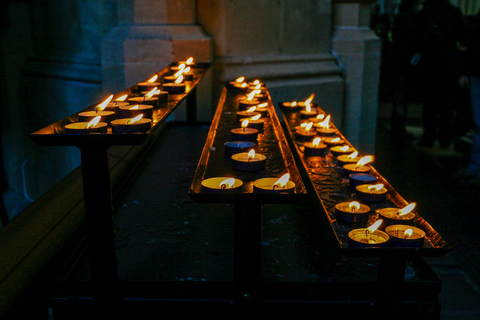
[(239, 85), (256, 122), (176, 87), (352, 212), (250, 161), (247, 102), (345, 159), (303, 104), (250, 112), (371, 193), (315, 147), (234, 147), (339, 150), (332, 141), (308, 112), (305, 133), (106, 116), (116, 103), (290, 105), (274, 185), (187, 73), (172, 78), (131, 125), (93, 126), (162, 96), (319, 118), (188, 63), (403, 216), (360, 167), (149, 84), (133, 111), (324, 129), (405, 236), (221, 185), (244, 133), (368, 237), (149, 98), (262, 108)]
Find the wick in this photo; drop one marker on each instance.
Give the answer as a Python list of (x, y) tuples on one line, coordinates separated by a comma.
[(244, 129), (223, 186), (249, 159)]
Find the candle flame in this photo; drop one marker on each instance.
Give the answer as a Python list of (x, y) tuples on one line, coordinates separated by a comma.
[(363, 161), (134, 107), (227, 183), (189, 61), (325, 123), (354, 206), (294, 103), (375, 187), (251, 154), (316, 142), (283, 180), (136, 119), (309, 100), (251, 95), (344, 148), (309, 126), (406, 209), (321, 116), (93, 122), (179, 79), (152, 79), (251, 109), (308, 107), (151, 92), (240, 79), (122, 98), (187, 70), (256, 82), (102, 105), (178, 73), (263, 105), (181, 66), (408, 233), (353, 155), (256, 117), (335, 140), (245, 123), (374, 226)]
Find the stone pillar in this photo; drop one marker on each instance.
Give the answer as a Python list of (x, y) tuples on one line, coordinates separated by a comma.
[(151, 34), (359, 50), (285, 43)]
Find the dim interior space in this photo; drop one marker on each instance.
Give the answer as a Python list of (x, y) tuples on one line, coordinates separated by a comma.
[(121, 216)]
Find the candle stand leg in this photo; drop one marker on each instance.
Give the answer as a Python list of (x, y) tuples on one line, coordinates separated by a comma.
[(391, 277), (99, 222), (192, 106), (247, 254)]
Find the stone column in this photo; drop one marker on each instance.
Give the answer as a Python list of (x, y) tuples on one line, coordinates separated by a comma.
[(285, 43), (151, 34), (359, 50)]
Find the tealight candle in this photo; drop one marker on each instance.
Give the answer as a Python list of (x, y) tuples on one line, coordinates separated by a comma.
[(368, 237), (250, 161), (221, 185), (240, 87), (162, 96), (176, 87), (339, 150), (244, 133), (262, 108), (147, 99), (333, 141), (371, 193), (308, 112), (131, 125), (352, 212), (290, 106), (403, 216), (315, 147), (131, 111), (113, 105), (405, 236), (274, 185), (256, 122), (188, 75), (319, 118), (345, 159), (303, 104), (357, 179), (188, 63), (239, 81), (87, 116), (149, 84), (234, 147), (93, 126), (305, 134), (241, 115), (359, 167), (246, 103)]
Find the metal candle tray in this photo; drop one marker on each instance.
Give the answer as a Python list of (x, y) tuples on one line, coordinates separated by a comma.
[(54, 134), (271, 143), (332, 187)]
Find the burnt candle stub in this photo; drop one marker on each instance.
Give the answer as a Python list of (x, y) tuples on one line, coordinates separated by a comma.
[(221, 185), (405, 236)]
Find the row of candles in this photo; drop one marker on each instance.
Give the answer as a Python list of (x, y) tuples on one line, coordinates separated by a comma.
[(252, 110), (134, 114), (319, 137)]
